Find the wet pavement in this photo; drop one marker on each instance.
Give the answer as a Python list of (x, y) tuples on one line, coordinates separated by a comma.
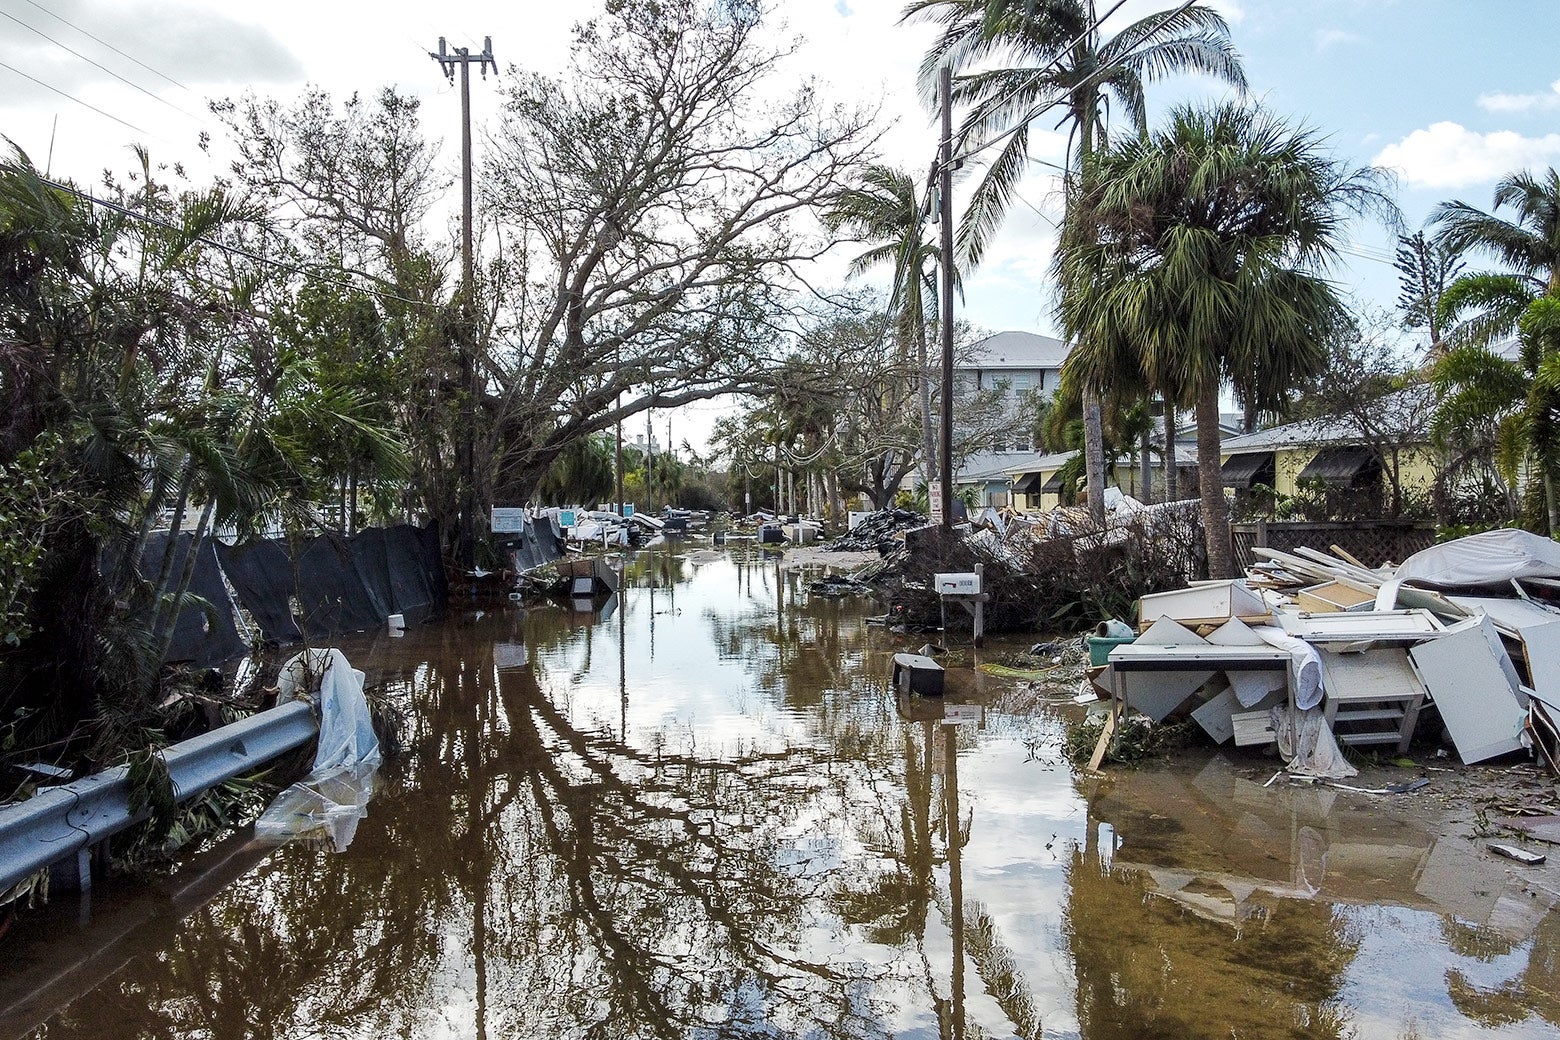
[(695, 811)]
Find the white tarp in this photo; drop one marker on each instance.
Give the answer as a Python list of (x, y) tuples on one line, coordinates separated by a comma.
[(1490, 558), (1305, 669), (331, 800), (1307, 744)]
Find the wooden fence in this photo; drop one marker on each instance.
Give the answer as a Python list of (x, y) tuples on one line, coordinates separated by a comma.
[(1372, 542)]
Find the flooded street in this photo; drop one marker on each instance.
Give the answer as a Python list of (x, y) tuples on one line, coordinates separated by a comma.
[(697, 812)]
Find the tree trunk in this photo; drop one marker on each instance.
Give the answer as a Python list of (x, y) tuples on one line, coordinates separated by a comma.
[(1094, 454), (1210, 487), (1172, 492), (1146, 489)]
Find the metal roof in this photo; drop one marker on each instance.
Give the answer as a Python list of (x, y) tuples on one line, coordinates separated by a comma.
[(1015, 350)]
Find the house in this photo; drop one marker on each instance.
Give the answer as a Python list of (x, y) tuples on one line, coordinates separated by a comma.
[(1015, 364), (1019, 367), (1333, 458)]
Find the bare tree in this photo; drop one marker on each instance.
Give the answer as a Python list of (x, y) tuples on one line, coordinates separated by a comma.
[(655, 209)]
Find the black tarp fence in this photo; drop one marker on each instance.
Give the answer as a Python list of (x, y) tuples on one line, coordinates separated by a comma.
[(206, 631), (327, 585)]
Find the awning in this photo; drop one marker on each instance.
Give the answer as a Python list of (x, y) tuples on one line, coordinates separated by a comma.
[(1052, 486), (1028, 484), (1248, 470), (1346, 465)]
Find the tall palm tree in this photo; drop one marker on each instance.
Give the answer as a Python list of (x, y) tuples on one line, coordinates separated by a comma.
[(1042, 56), (1528, 245), (1204, 255), (1487, 305), (885, 210)]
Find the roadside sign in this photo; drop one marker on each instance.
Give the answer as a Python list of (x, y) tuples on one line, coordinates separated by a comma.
[(565, 518), (628, 509), (934, 496)]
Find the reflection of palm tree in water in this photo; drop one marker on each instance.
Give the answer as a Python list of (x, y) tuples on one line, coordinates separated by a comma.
[(1535, 990), (931, 831)]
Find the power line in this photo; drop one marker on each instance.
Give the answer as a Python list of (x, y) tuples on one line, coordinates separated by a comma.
[(99, 66), (105, 43), (248, 254), (72, 97)]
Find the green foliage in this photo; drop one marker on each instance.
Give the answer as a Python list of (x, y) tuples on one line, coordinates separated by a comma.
[(32, 505)]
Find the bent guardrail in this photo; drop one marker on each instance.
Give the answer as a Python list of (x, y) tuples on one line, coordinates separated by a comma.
[(62, 824)]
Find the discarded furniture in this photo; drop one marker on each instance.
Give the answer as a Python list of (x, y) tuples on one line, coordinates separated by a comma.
[(1480, 705), (1207, 603), (1374, 694)]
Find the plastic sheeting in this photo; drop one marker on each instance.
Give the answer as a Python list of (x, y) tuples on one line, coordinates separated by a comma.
[(333, 798), (1489, 558), (1305, 667), (1307, 744)]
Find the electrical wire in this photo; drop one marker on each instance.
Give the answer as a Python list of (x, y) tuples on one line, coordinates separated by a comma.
[(99, 66), (72, 97), (105, 43)]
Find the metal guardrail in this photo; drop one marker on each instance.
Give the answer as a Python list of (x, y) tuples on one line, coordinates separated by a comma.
[(64, 823)]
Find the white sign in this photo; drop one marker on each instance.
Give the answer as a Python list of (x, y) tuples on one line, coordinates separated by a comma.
[(965, 583), (856, 518), (508, 521), (963, 714), (509, 655), (934, 497)]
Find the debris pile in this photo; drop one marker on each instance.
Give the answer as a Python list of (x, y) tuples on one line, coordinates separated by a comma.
[(1312, 650), (882, 531)]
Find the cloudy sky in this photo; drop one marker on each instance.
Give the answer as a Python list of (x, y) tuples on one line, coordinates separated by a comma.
[(1450, 94)]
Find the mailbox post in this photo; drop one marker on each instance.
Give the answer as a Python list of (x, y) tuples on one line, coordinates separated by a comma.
[(966, 588)]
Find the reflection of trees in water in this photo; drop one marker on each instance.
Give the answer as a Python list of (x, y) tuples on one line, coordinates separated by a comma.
[(800, 645), (1146, 967), (1535, 990), (535, 879), (917, 827)]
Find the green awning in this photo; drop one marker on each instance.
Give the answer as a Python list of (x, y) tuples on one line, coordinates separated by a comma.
[(1028, 484), (1248, 469), (1349, 465)]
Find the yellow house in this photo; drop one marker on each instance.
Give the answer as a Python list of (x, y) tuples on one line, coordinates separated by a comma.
[(1331, 454)]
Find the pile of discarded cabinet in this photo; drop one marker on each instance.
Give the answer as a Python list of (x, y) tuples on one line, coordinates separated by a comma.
[(1313, 649)]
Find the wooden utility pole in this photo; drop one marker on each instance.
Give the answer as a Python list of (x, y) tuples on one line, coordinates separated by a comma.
[(465, 448), (945, 309)]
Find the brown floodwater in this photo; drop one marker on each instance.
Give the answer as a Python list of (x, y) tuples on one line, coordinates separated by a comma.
[(697, 812)]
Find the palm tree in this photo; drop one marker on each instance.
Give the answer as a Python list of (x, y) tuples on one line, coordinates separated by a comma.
[(1488, 305), (1040, 55), (886, 211), (1528, 245), (1204, 256)]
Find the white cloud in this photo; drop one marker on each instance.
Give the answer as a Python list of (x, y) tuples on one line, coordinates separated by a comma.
[(1449, 155), (1326, 39), (1499, 102)]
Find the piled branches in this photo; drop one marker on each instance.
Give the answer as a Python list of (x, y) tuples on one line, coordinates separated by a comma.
[(1060, 575)]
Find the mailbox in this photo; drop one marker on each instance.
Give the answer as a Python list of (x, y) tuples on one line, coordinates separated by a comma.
[(958, 583)]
